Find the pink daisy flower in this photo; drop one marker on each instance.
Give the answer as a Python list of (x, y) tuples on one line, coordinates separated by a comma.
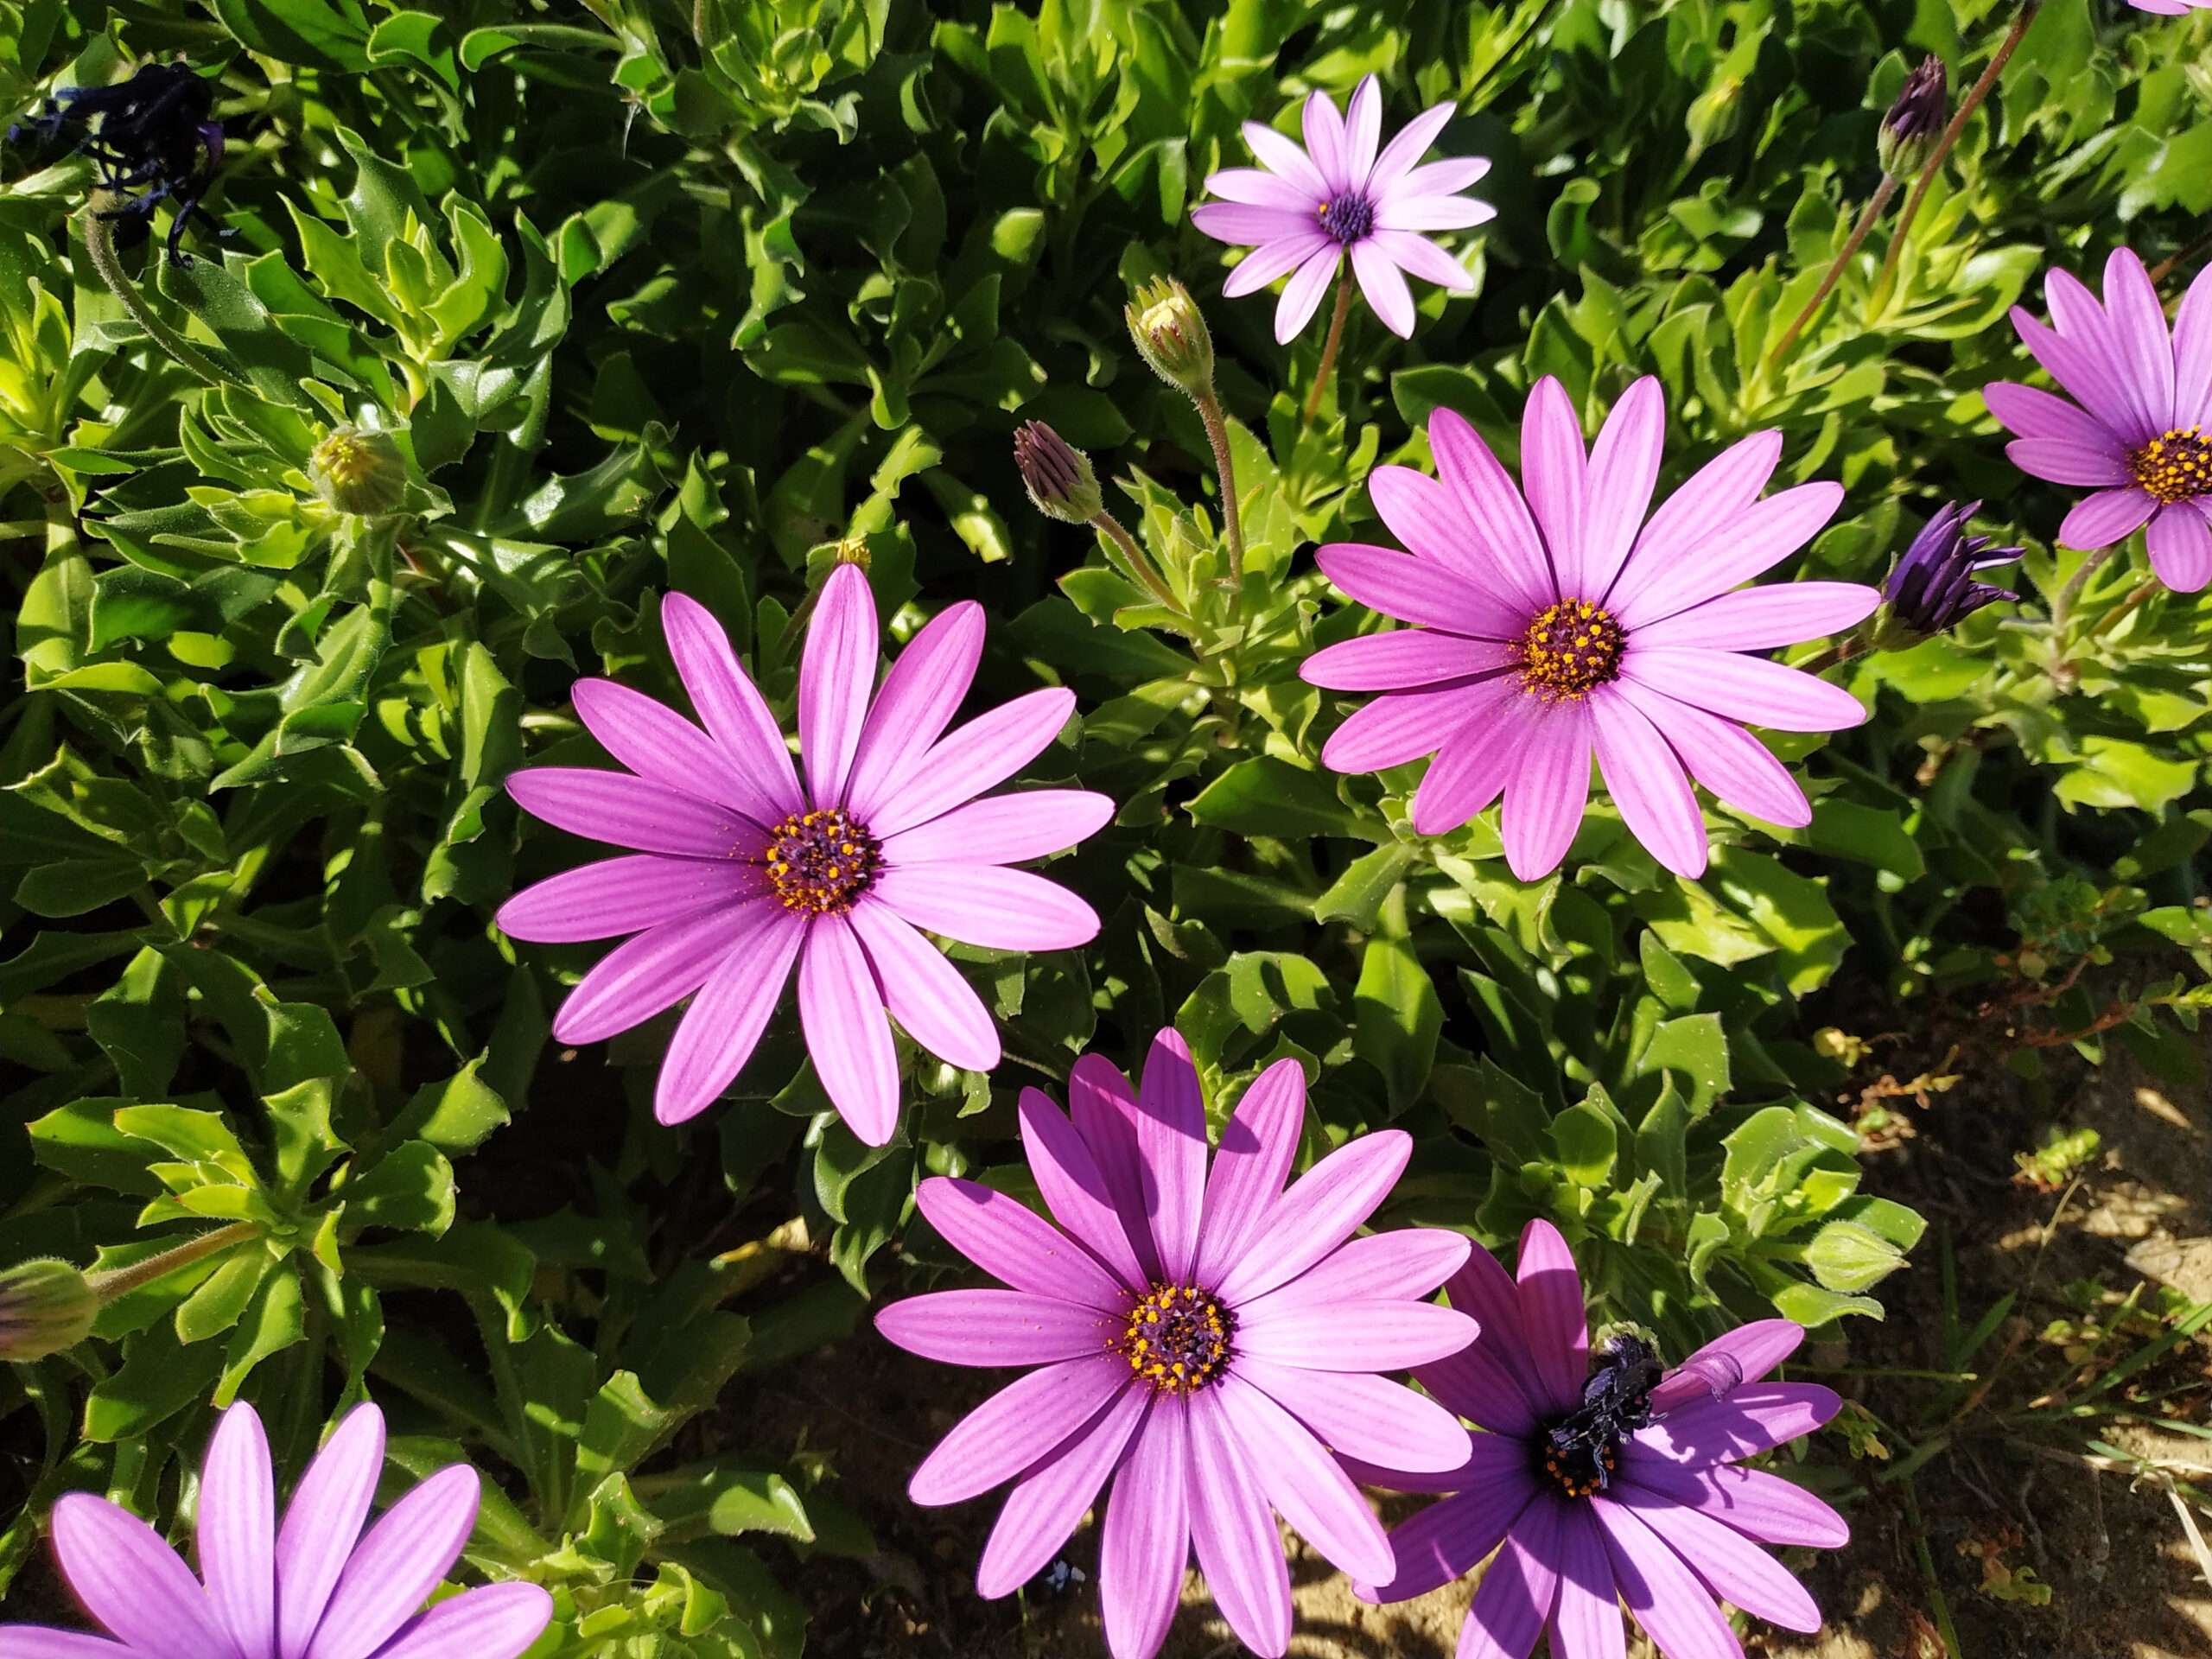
[(741, 871), (1204, 1340), (1303, 211), (2140, 435), (2170, 8), (1563, 623), (1602, 1482), (314, 1588)]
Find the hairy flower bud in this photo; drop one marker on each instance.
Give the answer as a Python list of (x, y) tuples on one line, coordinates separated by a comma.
[(45, 1307), (1170, 335), (1058, 475), (1915, 121), (1932, 590), (359, 471)]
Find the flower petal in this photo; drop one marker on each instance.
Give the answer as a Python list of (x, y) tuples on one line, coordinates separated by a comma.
[(1075, 1191), (1404, 656), (1757, 1504), (1271, 260), (237, 1532), (655, 970), (1250, 1168), (626, 812), (989, 905), (1363, 130), (1491, 1461), (1380, 1423), (841, 1011), (1322, 1210), (1402, 725), (615, 896), (1554, 475), (1419, 257), (2180, 547), (1003, 829), (2192, 350), (1552, 1319), (493, 1621), (1727, 760), (1449, 1538), (1675, 1609), (729, 705), (1325, 140), (1233, 1531), (995, 1327), (1148, 1535), (1105, 1108), (1251, 226), (1733, 1567), (132, 1582), (1749, 689), (2064, 461), (1515, 1600), (1408, 1262), (2108, 516), (926, 994), (722, 1027), (660, 745), (1751, 1350), (1301, 295), (1373, 1336), (1753, 1419), (320, 1524), (1301, 1480), (1017, 1427), (835, 676), (1713, 501), (2086, 373), (1647, 784), (2137, 324), (402, 1559), (1385, 285), (2030, 413), (1012, 1242), (1585, 1621), (1656, 585), (37, 1642), (1431, 589), (1505, 533), (1171, 1125), (1413, 141), (1259, 189), (1624, 467), (1436, 181), (1050, 1501), (980, 755), (919, 697), (1477, 761), (1760, 619), (1545, 796), (1489, 1382)]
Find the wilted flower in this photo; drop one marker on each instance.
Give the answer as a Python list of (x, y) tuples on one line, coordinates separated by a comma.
[(2140, 435), (741, 871), (1171, 335), (154, 140), (1915, 121), (1602, 1480), (1563, 623), (45, 1307), (316, 1589), (1303, 211), (359, 471), (1933, 590), (1199, 1339), (1057, 474)]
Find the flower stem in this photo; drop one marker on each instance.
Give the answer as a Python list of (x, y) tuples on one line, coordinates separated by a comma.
[(1842, 651), (100, 243), (121, 1281), (1231, 508), (2025, 15), (1880, 200), (2164, 267), (2062, 673), (1133, 563), (1329, 349)]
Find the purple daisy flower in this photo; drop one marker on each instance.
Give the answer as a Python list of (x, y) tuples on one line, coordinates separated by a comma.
[(2139, 435), (1563, 623), (2170, 8), (1600, 1483), (741, 871), (1304, 210), (1202, 1338), (315, 1589)]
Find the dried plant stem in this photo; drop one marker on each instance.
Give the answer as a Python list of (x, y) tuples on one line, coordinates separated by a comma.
[(1972, 102), (1330, 348), (100, 243), (2164, 267), (1226, 464), (1133, 563), (119, 1281), (1880, 200)]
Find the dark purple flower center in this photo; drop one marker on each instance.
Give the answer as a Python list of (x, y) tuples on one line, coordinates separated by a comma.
[(2175, 465), (1177, 1339), (1569, 648), (1581, 1450), (1347, 219), (821, 861)]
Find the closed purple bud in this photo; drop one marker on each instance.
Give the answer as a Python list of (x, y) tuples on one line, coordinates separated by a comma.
[(45, 1307), (1914, 121), (1058, 475), (1932, 590)]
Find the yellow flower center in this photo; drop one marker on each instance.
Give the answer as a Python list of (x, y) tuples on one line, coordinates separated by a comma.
[(1177, 1339), (2175, 465), (1569, 648), (821, 861)]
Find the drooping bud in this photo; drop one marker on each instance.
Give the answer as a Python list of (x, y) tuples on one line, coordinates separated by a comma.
[(1932, 590), (1170, 335), (1057, 474), (1915, 121), (45, 1307), (359, 471)]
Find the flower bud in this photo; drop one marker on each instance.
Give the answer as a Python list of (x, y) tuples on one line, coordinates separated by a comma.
[(359, 471), (1057, 474), (1933, 590), (45, 1307), (1915, 121), (1170, 335)]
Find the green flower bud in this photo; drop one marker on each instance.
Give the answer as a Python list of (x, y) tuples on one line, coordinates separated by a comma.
[(45, 1307), (1058, 475), (359, 471), (1915, 123), (1170, 335)]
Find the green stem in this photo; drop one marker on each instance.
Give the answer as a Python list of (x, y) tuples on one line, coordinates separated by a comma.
[(1134, 564), (1842, 651), (2025, 15), (1880, 200), (100, 243), (2062, 607), (122, 1280), (1231, 509), (1330, 348)]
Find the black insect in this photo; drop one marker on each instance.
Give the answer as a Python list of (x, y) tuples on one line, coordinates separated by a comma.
[(1581, 1450), (153, 137)]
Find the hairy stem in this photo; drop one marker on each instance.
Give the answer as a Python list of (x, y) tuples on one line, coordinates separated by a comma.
[(119, 1281), (2062, 607), (2025, 15), (100, 243), (1880, 200), (1330, 348), (1133, 563), (1231, 509)]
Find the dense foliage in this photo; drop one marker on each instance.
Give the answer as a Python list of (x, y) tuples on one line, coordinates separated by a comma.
[(501, 322)]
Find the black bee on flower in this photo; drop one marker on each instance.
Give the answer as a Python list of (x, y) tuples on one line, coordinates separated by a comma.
[(154, 137)]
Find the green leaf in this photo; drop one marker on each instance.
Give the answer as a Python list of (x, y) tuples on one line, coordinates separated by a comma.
[(1586, 1144), (1696, 1047), (1847, 1256), (1397, 1017), (217, 1305), (1268, 796), (1357, 896), (158, 1378), (78, 885), (410, 1188)]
